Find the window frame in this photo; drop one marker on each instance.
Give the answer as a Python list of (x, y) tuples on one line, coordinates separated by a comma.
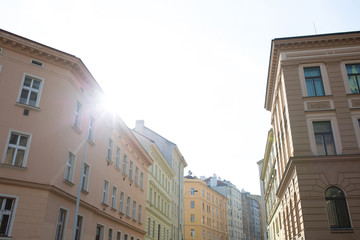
[(63, 234), (121, 202), (91, 129), (334, 127), (128, 206), (86, 177), (131, 169), (345, 76), (114, 197), (118, 235), (133, 215), (105, 192), (110, 149), (125, 162), (10, 226), (27, 148), (78, 115), (345, 202), (324, 77), (118, 157), (79, 229), (39, 92), (70, 178)]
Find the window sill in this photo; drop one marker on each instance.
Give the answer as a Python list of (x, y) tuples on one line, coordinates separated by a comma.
[(91, 142), (5, 238), (68, 182), (12, 166), (341, 230), (84, 191), (117, 168), (27, 106), (77, 129), (109, 162), (104, 204), (113, 209)]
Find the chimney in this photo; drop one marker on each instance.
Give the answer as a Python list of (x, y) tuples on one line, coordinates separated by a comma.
[(140, 126)]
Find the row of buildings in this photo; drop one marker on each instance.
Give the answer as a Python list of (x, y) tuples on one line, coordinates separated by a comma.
[(217, 210), (69, 169), (310, 173)]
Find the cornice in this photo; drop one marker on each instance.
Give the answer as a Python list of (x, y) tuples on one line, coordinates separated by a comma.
[(42, 52), (55, 190), (302, 43)]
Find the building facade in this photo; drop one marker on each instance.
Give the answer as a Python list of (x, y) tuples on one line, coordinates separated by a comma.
[(314, 149), (158, 221), (58, 146), (205, 211), (177, 164)]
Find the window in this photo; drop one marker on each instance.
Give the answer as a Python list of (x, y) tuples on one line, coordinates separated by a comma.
[(118, 155), (113, 197), (142, 181), (128, 206), (192, 191), (134, 211), (7, 208), (192, 233), (131, 169), (313, 80), (109, 150), (125, 164), (69, 168), (192, 218), (353, 75), (110, 234), (99, 232), (31, 91), (91, 129), (136, 175), (77, 118), (192, 204), (105, 192), (336, 207), (85, 177), (125, 237), (17, 149), (60, 225), (139, 214), (121, 204), (324, 139), (118, 235), (78, 227)]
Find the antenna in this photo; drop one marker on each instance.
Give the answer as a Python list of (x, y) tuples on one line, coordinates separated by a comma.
[(314, 27)]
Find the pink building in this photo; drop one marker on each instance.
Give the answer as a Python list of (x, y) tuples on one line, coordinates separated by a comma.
[(48, 101)]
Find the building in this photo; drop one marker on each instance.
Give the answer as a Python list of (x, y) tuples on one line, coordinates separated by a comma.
[(177, 163), (205, 211), (244, 210), (311, 166), (263, 221), (51, 122), (158, 221), (235, 217)]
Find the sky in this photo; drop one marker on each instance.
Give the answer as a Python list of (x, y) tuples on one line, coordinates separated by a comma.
[(194, 71)]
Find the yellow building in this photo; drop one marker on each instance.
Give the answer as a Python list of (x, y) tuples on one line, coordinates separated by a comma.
[(205, 211), (158, 202), (49, 115)]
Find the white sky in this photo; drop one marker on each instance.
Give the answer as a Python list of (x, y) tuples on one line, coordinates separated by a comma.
[(195, 71)]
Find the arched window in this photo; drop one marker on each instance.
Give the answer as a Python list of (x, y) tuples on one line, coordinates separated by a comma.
[(336, 207)]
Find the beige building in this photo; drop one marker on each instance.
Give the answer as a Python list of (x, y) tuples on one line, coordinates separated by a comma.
[(311, 169), (206, 212), (177, 163), (158, 215), (50, 118)]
